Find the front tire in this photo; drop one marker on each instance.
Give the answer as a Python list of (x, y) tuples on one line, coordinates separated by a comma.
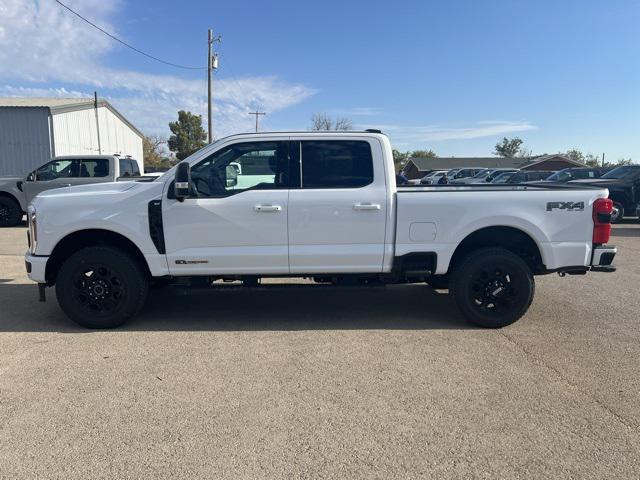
[(492, 287), (10, 212), (101, 287)]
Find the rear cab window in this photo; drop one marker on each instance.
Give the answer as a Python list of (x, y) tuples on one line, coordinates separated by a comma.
[(335, 164), (126, 169)]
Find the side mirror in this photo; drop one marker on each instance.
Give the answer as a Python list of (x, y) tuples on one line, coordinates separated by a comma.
[(182, 184), (232, 176), (31, 177)]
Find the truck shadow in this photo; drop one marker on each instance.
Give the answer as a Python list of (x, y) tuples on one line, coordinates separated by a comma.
[(625, 231), (266, 308)]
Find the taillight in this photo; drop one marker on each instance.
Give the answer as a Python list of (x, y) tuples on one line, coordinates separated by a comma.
[(602, 209)]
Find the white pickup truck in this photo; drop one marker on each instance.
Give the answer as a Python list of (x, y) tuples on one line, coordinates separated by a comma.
[(63, 171), (318, 205)]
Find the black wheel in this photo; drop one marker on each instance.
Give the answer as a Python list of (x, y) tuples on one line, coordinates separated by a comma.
[(492, 287), (101, 287), (439, 282), (10, 212), (617, 213)]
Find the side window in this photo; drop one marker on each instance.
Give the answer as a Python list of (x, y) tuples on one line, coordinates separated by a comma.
[(135, 169), (336, 164), (58, 169), (94, 168), (125, 167), (240, 167)]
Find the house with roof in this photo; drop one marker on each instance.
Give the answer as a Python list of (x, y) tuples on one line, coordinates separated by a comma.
[(418, 167), (33, 130)]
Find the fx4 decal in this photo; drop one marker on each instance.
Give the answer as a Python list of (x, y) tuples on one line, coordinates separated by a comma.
[(569, 206)]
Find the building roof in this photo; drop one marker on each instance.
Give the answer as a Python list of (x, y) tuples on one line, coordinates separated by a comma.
[(440, 163), (62, 105)]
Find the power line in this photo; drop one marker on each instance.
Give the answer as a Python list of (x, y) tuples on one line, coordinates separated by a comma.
[(125, 43)]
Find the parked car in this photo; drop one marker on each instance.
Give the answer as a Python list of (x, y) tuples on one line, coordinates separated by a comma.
[(327, 209), (623, 184), (433, 178), (64, 171), (522, 176), (568, 174), (464, 173), (487, 175)]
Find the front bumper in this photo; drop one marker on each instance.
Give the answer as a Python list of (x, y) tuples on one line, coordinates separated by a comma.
[(602, 260), (36, 267)]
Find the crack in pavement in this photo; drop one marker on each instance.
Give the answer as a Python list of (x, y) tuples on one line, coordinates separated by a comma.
[(538, 361)]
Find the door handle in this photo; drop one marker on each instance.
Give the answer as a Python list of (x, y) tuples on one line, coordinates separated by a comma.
[(366, 206), (267, 208)]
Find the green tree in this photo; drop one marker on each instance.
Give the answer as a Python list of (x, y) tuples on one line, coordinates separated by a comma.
[(575, 155), (153, 155), (399, 159), (188, 136), (423, 154), (508, 148), (592, 160)]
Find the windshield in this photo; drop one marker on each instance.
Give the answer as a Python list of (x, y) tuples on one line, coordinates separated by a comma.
[(503, 178), (481, 174), (561, 176), (622, 172)]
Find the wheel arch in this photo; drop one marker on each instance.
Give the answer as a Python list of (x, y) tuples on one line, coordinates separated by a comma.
[(11, 196), (80, 239), (510, 238)]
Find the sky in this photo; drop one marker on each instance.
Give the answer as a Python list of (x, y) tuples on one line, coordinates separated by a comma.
[(452, 76)]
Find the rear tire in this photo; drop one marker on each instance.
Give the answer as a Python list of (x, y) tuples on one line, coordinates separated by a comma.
[(101, 287), (10, 212), (492, 287)]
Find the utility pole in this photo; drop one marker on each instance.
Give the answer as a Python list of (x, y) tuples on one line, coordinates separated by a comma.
[(212, 64), (95, 109), (257, 114), (602, 159)]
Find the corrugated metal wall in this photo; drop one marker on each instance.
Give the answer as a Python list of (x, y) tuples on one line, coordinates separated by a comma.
[(75, 133), (24, 139)]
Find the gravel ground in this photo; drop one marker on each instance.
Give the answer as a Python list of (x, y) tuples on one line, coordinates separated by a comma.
[(321, 382)]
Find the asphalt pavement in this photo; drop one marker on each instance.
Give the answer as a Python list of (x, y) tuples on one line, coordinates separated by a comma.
[(303, 381)]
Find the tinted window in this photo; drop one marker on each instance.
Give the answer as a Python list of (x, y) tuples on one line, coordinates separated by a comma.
[(58, 169), (134, 167), (125, 167), (628, 171), (94, 167), (336, 164), (240, 167)]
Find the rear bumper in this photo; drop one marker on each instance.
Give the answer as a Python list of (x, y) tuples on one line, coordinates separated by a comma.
[(602, 259), (36, 267)]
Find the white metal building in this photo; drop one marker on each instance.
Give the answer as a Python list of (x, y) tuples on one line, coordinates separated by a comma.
[(32, 130)]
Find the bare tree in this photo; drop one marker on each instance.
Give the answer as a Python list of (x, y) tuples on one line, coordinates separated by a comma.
[(323, 122), (343, 123)]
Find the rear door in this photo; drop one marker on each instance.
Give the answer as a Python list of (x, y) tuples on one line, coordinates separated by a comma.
[(337, 212)]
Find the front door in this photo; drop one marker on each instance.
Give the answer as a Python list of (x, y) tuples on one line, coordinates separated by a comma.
[(338, 213), (66, 172), (235, 221)]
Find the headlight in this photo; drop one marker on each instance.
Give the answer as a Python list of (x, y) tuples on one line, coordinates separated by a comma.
[(33, 227)]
